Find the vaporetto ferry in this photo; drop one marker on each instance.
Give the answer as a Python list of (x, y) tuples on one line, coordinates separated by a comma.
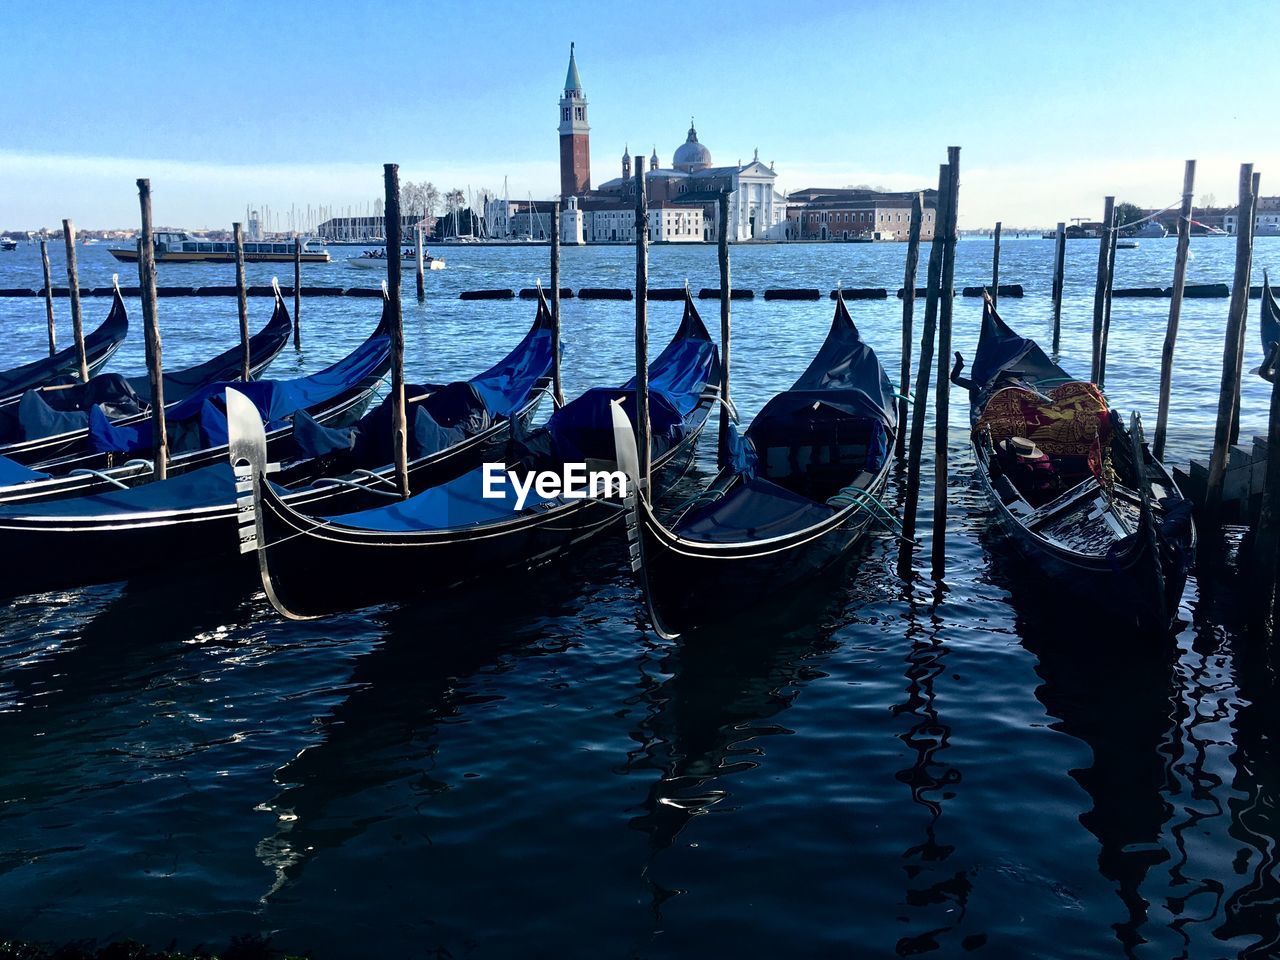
[(184, 248)]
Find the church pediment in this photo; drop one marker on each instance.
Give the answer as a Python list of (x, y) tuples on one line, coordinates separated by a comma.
[(756, 169)]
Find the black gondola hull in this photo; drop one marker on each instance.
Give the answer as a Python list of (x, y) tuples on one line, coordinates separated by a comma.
[(689, 584), (313, 570)]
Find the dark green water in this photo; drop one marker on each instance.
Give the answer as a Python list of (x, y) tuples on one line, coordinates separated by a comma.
[(864, 769)]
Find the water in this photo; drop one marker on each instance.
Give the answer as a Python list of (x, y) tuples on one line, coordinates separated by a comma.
[(867, 769)]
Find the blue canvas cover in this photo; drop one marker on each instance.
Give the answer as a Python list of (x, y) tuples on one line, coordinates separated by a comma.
[(1001, 351), (11, 473), (276, 400), (505, 386), (459, 503), (689, 362), (753, 509), (207, 487), (845, 380)]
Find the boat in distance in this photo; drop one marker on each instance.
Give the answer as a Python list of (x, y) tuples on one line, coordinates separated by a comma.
[(184, 248), (378, 258)]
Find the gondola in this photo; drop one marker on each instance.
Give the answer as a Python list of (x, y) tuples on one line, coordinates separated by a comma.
[(99, 346), (802, 488), (1270, 328), (112, 454), (452, 533), (1075, 490), (44, 421), (120, 534)]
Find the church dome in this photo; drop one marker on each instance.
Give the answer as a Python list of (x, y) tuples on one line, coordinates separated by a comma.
[(691, 155)]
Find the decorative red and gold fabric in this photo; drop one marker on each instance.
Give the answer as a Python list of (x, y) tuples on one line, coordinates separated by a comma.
[(1072, 421)]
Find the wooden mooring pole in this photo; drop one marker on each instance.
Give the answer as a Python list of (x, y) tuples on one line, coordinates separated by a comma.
[(1059, 271), (942, 403), (422, 267), (1235, 409), (1231, 353), (151, 331), (1175, 310), (48, 297), (908, 319), (642, 326), (399, 428), (1106, 306), (557, 387), (995, 268), (923, 372), (73, 285), (242, 302), (1100, 288), (297, 291), (722, 251)]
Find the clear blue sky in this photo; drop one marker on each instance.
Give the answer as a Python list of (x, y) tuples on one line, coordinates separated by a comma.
[(235, 102)]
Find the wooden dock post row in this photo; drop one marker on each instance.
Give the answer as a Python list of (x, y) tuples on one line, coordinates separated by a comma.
[(73, 284), (1100, 287), (923, 372), (908, 317), (48, 297), (1175, 309), (557, 387), (399, 429), (297, 291), (726, 296), (1059, 265), (242, 302), (942, 403), (151, 329), (1231, 354), (642, 328)]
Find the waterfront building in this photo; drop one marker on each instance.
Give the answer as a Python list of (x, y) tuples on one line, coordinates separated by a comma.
[(1266, 220), (825, 213)]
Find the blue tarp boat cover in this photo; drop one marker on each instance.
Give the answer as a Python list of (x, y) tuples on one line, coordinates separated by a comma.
[(1001, 351), (11, 473), (753, 509), (459, 503), (276, 400)]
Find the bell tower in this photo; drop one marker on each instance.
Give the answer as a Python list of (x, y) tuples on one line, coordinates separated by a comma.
[(575, 142)]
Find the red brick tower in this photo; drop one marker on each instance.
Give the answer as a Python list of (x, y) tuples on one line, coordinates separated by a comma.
[(575, 140)]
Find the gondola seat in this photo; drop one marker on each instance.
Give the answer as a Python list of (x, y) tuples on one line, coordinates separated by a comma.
[(1045, 444)]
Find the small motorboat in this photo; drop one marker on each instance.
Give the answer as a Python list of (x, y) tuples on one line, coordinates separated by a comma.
[(378, 258), (1126, 244), (8, 243)]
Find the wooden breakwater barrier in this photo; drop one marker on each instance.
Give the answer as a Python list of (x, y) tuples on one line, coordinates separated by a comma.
[(531, 293), (713, 293), (861, 293), (215, 291), (487, 295), (605, 293), (1003, 290), (792, 293)]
